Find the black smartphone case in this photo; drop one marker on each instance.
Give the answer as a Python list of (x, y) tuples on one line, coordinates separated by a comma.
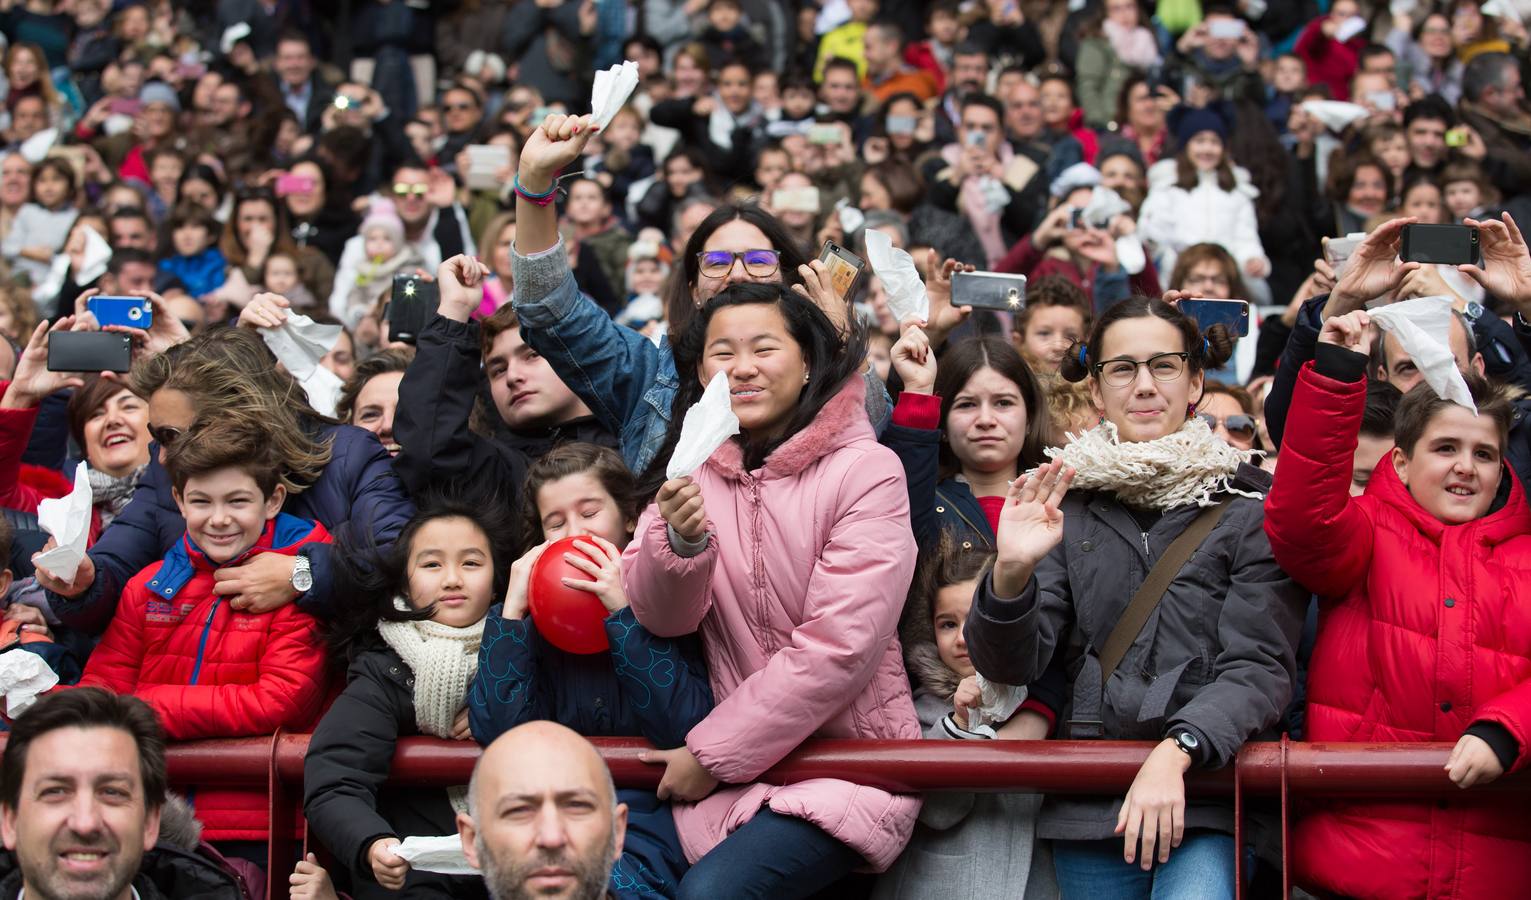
[(411, 306), (1438, 244), (89, 351)]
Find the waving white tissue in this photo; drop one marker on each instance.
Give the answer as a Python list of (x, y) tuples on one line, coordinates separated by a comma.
[(22, 677), (442, 855), (67, 518), (1335, 115), (1422, 327), (899, 276), (298, 344), (612, 88), (708, 423)]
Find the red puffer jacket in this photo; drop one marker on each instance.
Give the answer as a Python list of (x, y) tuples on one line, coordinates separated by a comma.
[(1425, 630), (212, 672)]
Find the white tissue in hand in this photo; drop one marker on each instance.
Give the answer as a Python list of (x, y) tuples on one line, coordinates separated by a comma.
[(98, 253), (899, 276), (35, 148), (708, 423), (68, 520), (612, 88), (1349, 29), (997, 703), (1335, 115), (442, 855), (1422, 327), (299, 343), (23, 676), (1103, 206), (1129, 252)]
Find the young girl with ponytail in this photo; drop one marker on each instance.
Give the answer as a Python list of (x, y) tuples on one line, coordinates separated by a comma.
[(1207, 667)]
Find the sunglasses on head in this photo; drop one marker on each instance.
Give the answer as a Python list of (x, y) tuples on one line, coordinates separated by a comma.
[(1240, 425)]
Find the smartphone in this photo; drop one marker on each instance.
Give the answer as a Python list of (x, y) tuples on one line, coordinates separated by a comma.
[(485, 161), (1225, 29), (1231, 314), (1451, 245), (1076, 218), (293, 184), (989, 290), (342, 101), (89, 351), (824, 134), (1456, 137), (844, 268), (802, 199), (410, 306), (1338, 250), (902, 124), (133, 312)]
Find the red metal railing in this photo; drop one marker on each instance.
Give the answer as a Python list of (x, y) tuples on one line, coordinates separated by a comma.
[(1276, 769)]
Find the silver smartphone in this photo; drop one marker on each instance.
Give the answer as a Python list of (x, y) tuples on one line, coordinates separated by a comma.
[(989, 290)]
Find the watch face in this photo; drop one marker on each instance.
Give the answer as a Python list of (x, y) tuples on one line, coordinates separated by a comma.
[(1187, 740)]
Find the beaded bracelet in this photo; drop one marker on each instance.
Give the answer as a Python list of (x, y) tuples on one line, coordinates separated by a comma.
[(539, 199)]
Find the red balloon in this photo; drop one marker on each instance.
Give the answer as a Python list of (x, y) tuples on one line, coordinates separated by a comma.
[(571, 619)]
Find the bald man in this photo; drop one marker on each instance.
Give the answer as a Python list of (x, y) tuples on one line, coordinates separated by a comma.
[(543, 818)]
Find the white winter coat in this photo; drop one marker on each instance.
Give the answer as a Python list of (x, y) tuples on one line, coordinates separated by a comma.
[(1173, 218)]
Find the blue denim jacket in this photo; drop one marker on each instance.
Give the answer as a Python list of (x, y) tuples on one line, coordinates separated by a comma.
[(628, 382)]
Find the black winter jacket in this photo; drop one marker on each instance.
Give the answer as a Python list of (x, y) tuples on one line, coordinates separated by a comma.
[(349, 758)]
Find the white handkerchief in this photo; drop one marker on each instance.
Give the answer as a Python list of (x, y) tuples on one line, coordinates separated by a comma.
[(231, 36), (998, 703), (35, 148), (23, 676), (1335, 115), (1422, 328), (899, 276), (97, 254), (1349, 29), (323, 390), (300, 342), (612, 88), (1103, 206), (708, 423), (442, 855), (67, 518), (1129, 252)]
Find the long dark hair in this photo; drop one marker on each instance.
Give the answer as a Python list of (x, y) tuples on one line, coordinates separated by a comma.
[(962, 361), (369, 577), (680, 306), (1204, 351), (832, 358)]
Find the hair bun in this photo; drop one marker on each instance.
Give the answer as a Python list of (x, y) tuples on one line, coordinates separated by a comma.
[(1076, 363)]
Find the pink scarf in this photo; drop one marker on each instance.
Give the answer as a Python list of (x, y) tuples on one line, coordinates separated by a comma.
[(970, 199), (1134, 46)]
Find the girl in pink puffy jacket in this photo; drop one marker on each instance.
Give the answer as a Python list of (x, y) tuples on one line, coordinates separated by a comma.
[(790, 550)]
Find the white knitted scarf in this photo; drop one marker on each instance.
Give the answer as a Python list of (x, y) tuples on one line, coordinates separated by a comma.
[(444, 660), (1188, 467)]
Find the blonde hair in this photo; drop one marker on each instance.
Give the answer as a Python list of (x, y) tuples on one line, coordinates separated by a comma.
[(23, 311), (1068, 405)]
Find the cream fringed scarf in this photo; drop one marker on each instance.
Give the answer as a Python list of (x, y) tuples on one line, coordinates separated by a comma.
[(444, 660), (1187, 467)]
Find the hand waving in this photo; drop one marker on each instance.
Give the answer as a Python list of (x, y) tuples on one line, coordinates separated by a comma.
[(1030, 525), (1506, 270)]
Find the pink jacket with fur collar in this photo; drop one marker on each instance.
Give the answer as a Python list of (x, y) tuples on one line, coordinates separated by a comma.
[(797, 597)]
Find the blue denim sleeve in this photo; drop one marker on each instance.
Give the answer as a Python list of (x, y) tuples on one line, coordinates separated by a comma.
[(664, 679), (505, 691), (608, 366)]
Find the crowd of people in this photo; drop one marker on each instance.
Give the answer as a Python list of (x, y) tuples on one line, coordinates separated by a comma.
[(1093, 514)]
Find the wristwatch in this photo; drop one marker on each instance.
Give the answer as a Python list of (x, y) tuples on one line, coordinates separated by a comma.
[(302, 574), (1188, 742), (1472, 312)]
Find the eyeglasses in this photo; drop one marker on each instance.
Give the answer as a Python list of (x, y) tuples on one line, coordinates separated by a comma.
[(457, 107), (757, 263), (1122, 372), (164, 435), (404, 190), (1239, 425)]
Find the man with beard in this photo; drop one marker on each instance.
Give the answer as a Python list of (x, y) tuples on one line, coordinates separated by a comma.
[(82, 781), (543, 818)]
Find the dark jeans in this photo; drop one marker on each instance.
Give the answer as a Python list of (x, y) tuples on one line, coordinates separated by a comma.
[(770, 856)]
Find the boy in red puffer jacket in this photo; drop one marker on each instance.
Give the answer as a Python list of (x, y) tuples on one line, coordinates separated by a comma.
[(209, 669), (1424, 632)]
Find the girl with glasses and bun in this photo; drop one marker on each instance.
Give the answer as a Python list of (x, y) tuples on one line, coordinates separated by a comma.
[(625, 379), (1213, 667)]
